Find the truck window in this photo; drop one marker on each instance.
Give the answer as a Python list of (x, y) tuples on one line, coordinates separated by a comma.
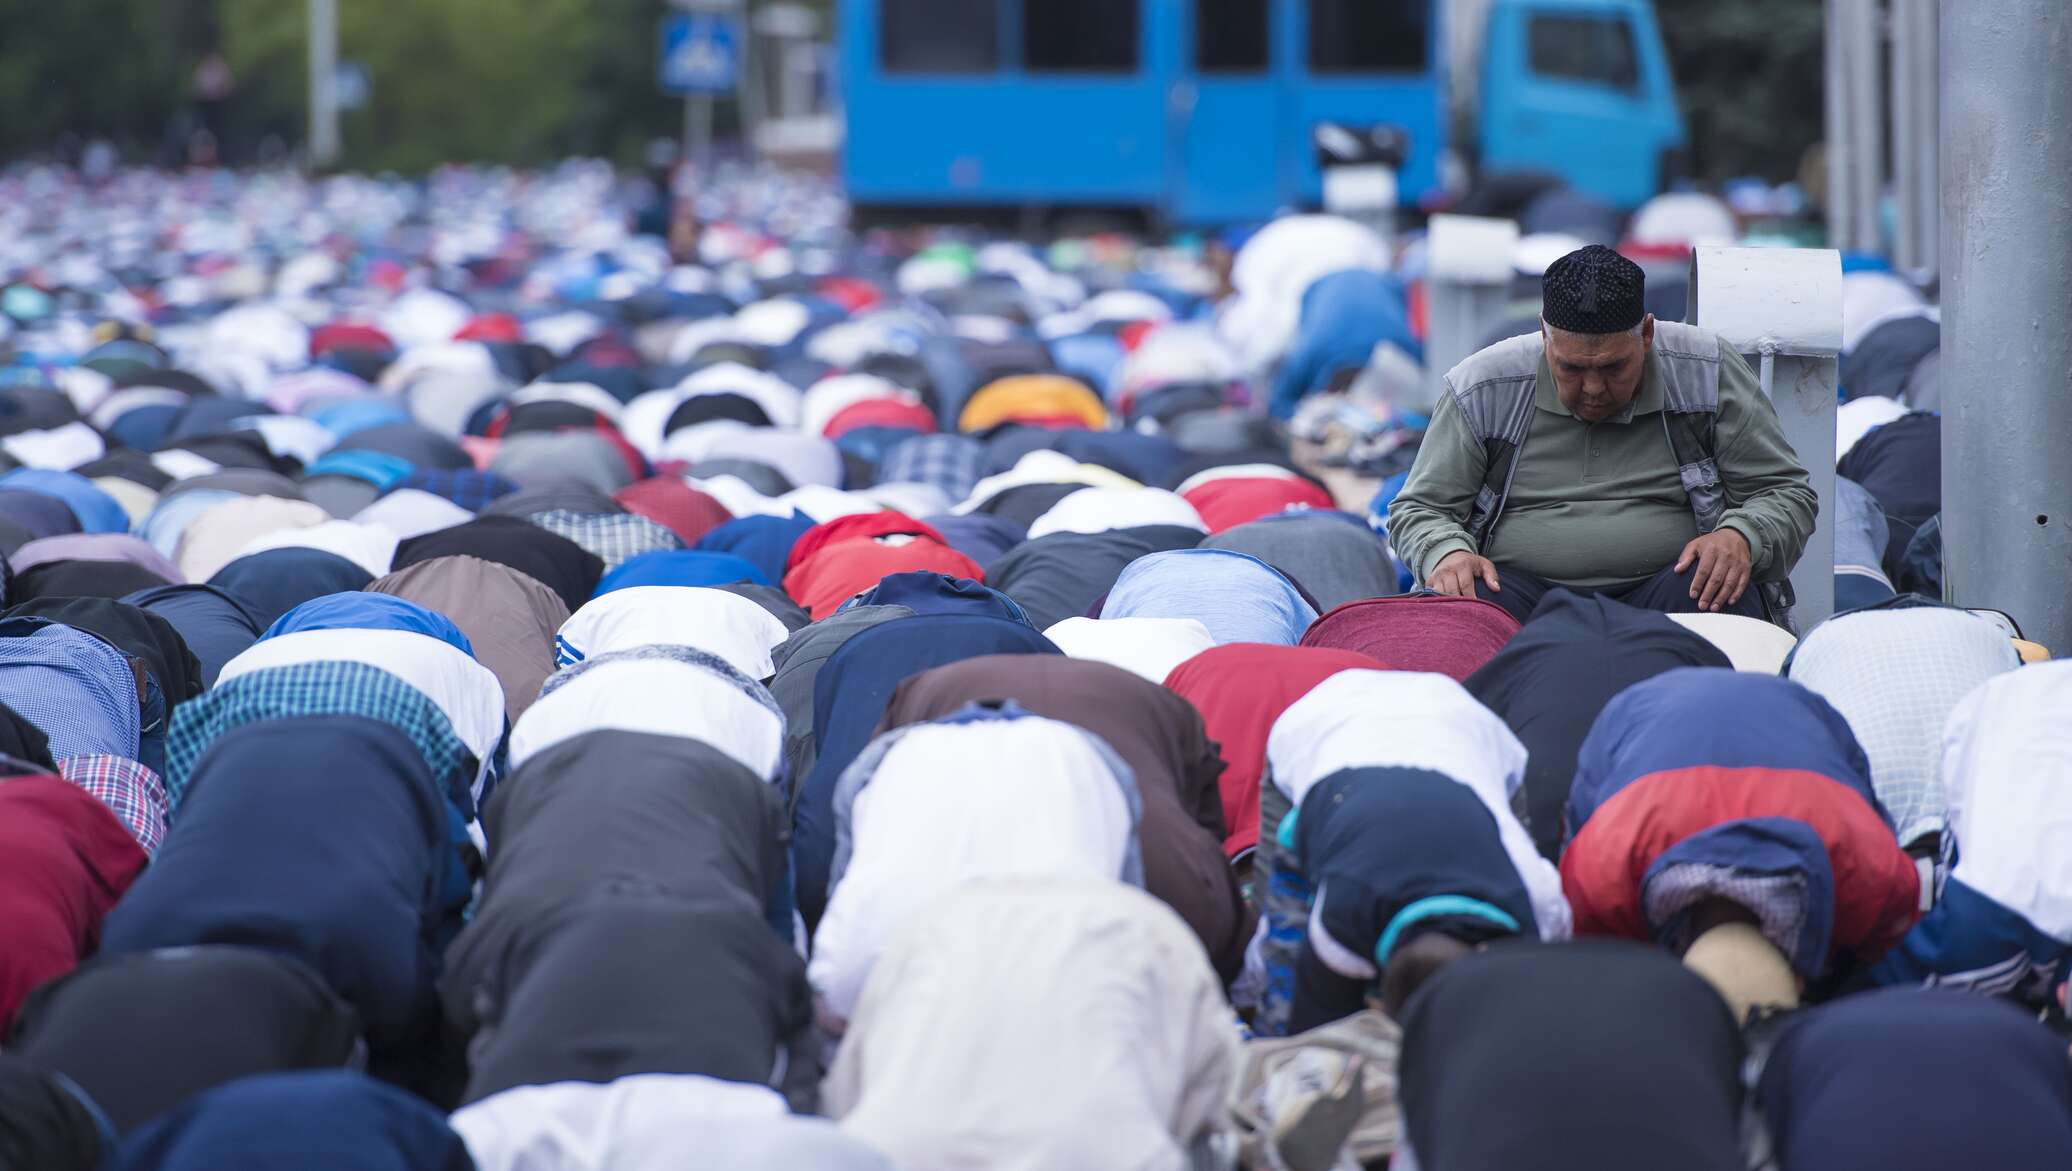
[(939, 36), (1230, 36), (1079, 36), (1596, 50), (1369, 36)]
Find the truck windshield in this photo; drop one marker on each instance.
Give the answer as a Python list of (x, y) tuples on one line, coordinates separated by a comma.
[(1230, 36), (1369, 36), (1078, 36), (938, 36), (1598, 50)]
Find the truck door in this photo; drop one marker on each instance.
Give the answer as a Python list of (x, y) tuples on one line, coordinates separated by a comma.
[(1224, 107), (1580, 89)]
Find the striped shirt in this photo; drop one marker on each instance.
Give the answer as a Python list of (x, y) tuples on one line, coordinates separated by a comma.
[(135, 793)]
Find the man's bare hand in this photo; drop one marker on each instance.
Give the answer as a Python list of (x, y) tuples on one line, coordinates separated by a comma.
[(1457, 572), (1724, 567)]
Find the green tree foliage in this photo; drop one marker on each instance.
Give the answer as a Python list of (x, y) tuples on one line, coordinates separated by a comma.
[(520, 81), (87, 68), (1750, 76)]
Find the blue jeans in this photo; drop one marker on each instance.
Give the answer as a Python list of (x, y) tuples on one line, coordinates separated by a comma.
[(152, 719)]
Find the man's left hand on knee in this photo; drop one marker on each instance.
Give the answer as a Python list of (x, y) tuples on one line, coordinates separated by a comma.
[(1721, 565)]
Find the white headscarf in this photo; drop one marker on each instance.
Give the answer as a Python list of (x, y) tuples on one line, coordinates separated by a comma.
[(1042, 466), (61, 448), (779, 399), (1751, 644), (413, 512), (1048, 803), (831, 396), (465, 690), (2007, 772), (805, 460), (1098, 510), (222, 532), (371, 547), (1150, 647), (422, 317), (1177, 353), (587, 395), (1868, 299), (1236, 472), (642, 420), (305, 440), (1276, 266), (646, 1122), (824, 504), (1860, 416), (911, 498), (1410, 719), (715, 621), (640, 691)]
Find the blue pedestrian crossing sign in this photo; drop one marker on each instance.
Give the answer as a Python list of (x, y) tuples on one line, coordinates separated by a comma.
[(701, 53)]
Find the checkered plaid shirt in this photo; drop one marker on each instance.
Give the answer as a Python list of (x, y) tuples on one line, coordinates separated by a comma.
[(471, 490), (612, 537), (1896, 675), (77, 689), (318, 689), (953, 463), (134, 792)]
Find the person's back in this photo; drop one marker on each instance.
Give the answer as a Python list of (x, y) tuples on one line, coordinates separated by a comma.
[(1587, 1056), (1556, 674), (1038, 1025), (1410, 873)]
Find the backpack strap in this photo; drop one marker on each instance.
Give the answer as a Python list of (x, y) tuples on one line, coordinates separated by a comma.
[(1689, 359), (1494, 391)]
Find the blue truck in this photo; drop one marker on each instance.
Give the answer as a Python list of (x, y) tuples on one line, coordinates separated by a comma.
[(1202, 112)]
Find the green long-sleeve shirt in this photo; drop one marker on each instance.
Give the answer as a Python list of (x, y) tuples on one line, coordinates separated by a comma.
[(1600, 506)]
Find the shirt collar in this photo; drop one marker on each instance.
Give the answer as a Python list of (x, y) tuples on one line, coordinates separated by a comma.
[(1547, 397)]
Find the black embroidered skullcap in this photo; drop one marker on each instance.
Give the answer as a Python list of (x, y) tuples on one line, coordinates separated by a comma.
[(1594, 290)]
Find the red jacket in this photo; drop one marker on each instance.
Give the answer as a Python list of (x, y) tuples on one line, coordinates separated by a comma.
[(1240, 690), (64, 860), (1228, 503), (1877, 889)]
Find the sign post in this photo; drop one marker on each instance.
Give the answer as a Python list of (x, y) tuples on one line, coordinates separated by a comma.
[(700, 58), (2006, 484), (323, 82)]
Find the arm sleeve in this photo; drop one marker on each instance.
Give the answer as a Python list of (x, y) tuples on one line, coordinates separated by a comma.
[(1770, 500), (1427, 519)]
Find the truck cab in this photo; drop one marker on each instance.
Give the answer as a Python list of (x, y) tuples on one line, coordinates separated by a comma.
[(1580, 89), (1205, 112)]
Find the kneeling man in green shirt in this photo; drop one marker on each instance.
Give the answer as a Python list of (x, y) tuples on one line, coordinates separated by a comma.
[(1608, 453)]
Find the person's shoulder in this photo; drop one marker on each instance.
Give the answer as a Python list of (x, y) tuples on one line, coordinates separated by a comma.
[(1502, 370), (1511, 358), (1674, 339)]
